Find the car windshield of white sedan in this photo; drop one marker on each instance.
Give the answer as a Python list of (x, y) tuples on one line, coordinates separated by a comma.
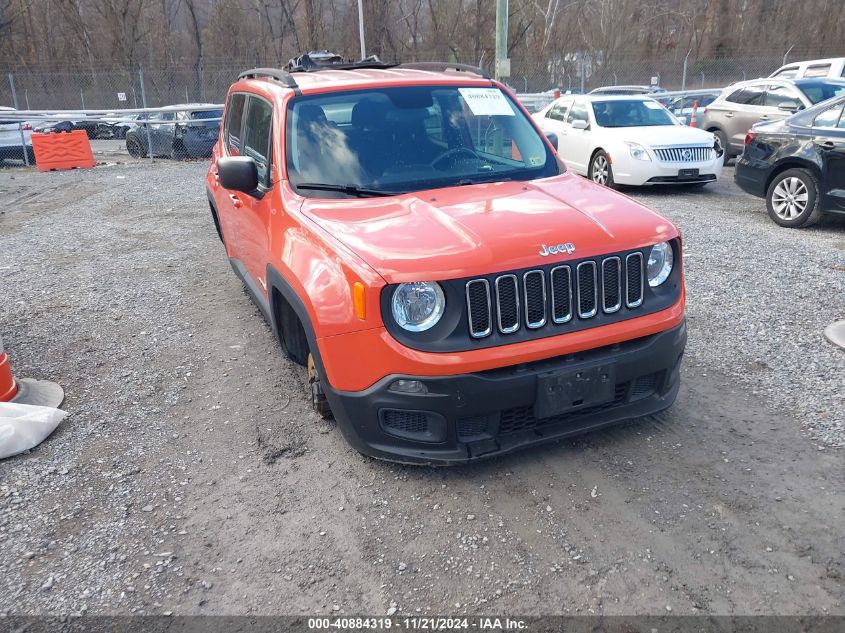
[(630, 113), (395, 140)]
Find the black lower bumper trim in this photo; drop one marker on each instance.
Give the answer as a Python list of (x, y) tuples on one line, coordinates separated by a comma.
[(493, 412)]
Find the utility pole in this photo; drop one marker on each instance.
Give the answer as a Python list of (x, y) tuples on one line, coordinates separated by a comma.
[(361, 28), (503, 64)]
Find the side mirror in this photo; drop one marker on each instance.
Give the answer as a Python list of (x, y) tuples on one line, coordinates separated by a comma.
[(580, 124), (789, 106), (238, 173), (552, 139)]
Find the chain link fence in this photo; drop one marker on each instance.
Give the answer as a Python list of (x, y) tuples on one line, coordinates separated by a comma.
[(94, 88), (87, 88)]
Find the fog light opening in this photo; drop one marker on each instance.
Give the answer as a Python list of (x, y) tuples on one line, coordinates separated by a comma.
[(408, 386)]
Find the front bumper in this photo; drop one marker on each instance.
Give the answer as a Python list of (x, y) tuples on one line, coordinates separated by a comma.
[(629, 171), (467, 417)]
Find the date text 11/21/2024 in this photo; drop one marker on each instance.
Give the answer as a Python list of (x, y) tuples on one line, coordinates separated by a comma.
[(418, 623)]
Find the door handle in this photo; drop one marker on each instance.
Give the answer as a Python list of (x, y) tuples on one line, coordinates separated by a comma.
[(729, 114), (764, 117), (237, 202), (826, 144)]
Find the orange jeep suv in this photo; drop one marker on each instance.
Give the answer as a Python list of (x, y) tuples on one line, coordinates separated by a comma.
[(456, 293)]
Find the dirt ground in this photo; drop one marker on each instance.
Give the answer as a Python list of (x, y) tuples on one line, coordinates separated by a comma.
[(191, 476)]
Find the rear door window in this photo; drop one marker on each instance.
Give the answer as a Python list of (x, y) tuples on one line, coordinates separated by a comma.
[(256, 136), (817, 70), (787, 73), (234, 120), (750, 95), (559, 111)]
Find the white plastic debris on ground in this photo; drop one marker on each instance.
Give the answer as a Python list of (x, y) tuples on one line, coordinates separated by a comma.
[(24, 426)]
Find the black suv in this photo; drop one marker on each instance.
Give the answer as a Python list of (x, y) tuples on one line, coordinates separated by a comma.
[(797, 164)]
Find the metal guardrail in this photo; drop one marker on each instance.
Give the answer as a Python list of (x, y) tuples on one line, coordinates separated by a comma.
[(130, 116)]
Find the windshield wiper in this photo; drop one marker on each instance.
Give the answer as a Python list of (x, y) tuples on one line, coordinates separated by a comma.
[(352, 190)]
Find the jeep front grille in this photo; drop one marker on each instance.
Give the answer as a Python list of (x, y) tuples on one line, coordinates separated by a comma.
[(555, 296), (684, 154)]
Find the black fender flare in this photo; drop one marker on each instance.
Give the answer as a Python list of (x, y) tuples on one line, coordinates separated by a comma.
[(276, 282)]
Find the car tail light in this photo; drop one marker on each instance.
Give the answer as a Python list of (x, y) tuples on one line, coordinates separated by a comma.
[(27, 127), (750, 137)]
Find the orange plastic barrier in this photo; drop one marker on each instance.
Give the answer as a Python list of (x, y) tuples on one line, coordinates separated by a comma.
[(62, 150)]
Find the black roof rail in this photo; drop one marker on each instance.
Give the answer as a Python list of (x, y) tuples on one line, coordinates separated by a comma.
[(443, 66), (276, 74)]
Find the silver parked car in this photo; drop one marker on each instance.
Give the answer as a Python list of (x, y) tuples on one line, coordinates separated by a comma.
[(745, 103)]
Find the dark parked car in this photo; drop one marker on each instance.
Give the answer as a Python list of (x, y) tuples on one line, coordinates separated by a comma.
[(797, 164), (183, 133), (79, 122)]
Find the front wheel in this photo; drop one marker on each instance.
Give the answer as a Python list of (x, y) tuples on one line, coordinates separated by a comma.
[(600, 169), (133, 146), (723, 141), (793, 199)]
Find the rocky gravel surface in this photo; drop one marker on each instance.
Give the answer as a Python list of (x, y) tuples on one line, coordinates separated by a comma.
[(192, 478)]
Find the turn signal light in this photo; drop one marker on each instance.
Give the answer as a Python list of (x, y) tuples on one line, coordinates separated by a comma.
[(750, 137), (359, 300)]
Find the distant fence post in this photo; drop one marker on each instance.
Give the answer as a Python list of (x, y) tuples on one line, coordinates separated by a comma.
[(146, 116), (82, 98), (20, 125)]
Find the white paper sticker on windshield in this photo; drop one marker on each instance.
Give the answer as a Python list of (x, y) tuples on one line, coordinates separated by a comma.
[(653, 105), (486, 101)]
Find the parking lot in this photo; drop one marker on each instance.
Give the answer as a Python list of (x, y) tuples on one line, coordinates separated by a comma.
[(192, 476)]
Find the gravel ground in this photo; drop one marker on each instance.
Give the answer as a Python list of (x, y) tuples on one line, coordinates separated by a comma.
[(192, 478)]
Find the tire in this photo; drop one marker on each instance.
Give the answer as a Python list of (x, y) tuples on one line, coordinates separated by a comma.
[(601, 171), (179, 151), (793, 199), (294, 342), (134, 147), (319, 403), (723, 140)]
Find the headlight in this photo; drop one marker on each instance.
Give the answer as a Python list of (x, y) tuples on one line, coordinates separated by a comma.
[(638, 151), (418, 306), (660, 262)]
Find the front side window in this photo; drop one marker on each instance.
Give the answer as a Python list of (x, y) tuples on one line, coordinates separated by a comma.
[(396, 140), (829, 117), (256, 141), (776, 95), (579, 113), (631, 113)]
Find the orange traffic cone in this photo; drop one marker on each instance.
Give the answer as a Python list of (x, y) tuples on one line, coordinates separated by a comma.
[(692, 120), (27, 391)]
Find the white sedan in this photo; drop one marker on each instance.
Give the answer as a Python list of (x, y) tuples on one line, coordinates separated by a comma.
[(629, 140)]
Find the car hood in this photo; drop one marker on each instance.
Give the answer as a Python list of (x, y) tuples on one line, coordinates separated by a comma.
[(479, 229), (663, 135)]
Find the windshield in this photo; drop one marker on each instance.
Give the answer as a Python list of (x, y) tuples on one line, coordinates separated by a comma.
[(397, 140), (818, 91), (630, 113)]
